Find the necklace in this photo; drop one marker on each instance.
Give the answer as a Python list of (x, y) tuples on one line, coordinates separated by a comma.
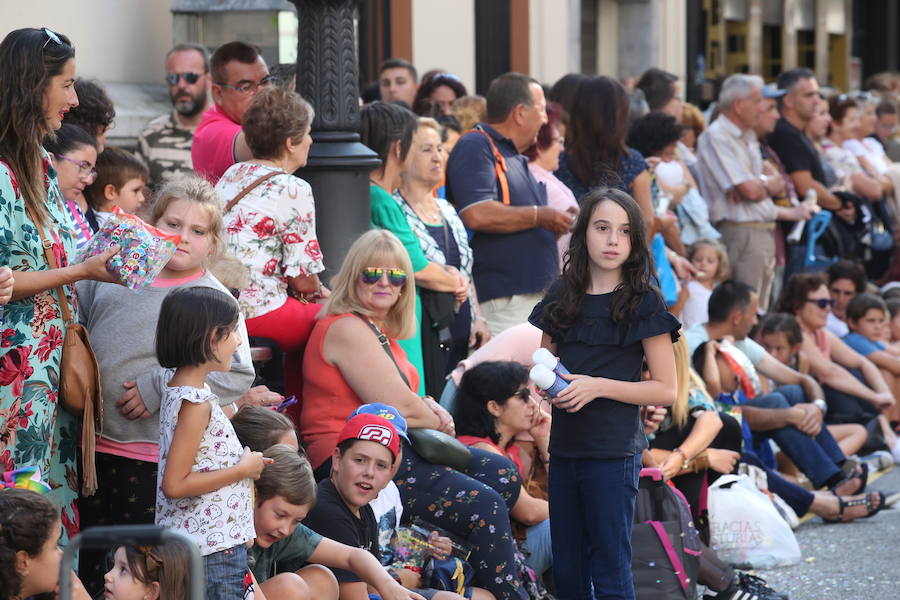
[(428, 214)]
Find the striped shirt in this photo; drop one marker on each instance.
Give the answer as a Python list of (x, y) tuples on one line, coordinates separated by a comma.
[(727, 157)]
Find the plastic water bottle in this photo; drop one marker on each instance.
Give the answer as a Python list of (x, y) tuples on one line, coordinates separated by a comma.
[(542, 356), (797, 231), (547, 380)]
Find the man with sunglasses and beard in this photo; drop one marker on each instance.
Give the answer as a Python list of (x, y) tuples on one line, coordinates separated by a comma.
[(165, 145)]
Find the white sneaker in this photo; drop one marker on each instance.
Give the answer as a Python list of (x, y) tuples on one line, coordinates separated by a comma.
[(880, 460)]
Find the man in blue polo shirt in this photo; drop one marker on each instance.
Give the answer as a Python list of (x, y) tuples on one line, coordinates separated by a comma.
[(488, 180)]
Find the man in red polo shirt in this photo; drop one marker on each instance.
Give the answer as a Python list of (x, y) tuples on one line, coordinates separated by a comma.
[(238, 72)]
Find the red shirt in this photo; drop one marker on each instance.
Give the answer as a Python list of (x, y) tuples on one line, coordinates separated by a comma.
[(327, 398), (212, 150)]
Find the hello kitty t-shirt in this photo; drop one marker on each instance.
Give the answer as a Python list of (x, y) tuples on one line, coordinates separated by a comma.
[(220, 519)]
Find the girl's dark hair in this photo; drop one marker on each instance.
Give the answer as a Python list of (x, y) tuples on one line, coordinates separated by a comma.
[(190, 320), (698, 359), (860, 304), (26, 522), (848, 269), (29, 58), (69, 137), (492, 380), (651, 133), (258, 428), (165, 563), (95, 111), (383, 123), (782, 323), (564, 90), (547, 133), (575, 279), (422, 104), (597, 145), (797, 289)]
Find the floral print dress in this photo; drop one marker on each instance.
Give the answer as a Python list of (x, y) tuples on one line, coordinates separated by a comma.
[(272, 230), (34, 430)]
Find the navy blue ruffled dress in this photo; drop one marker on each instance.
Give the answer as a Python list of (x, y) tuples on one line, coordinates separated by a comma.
[(599, 347)]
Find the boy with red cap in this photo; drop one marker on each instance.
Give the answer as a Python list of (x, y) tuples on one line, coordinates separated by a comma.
[(362, 464)]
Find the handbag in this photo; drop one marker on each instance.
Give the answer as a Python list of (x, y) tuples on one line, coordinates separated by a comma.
[(434, 446), (79, 374), (256, 182)]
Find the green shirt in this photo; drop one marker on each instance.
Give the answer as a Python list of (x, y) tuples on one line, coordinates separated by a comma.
[(387, 214), (295, 548)]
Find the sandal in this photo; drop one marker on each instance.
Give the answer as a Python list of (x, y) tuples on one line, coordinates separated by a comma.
[(860, 472), (867, 501)]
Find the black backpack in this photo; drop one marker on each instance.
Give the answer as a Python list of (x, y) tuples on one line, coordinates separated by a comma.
[(665, 558)]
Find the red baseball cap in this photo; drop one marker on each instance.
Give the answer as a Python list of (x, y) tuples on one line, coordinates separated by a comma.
[(371, 428)]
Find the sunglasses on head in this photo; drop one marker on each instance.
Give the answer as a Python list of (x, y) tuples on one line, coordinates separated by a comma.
[(822, 303), (372, 275), (51, 36), (189, 78)]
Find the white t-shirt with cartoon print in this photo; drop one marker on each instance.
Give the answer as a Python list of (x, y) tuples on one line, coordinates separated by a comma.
[(220, 519)]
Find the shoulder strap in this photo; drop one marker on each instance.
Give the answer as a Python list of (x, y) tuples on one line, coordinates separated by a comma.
[(384, 344), (500, 167), (63, 301), (250, 188)]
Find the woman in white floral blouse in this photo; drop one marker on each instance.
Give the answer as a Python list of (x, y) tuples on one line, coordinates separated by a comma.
[(271, 228)]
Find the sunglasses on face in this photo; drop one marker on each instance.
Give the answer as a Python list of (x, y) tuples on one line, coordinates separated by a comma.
[(523, 394), (372, 275), (189, 78), (822, 303)]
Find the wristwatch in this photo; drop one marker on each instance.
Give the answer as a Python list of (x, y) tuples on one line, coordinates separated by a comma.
[(821, 404)]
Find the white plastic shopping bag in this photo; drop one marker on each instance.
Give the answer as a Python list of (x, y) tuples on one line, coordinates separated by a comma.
[(745, 527)]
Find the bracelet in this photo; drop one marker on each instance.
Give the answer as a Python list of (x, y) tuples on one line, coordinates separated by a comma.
[(701, 462), (535, 216), (684, 459)]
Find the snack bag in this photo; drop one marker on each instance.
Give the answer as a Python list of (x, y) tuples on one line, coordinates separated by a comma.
[(145, 249)]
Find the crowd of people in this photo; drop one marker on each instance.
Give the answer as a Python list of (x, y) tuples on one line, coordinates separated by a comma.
[(723, 297)]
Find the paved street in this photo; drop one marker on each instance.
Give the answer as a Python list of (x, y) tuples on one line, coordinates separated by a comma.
[(847, 562)]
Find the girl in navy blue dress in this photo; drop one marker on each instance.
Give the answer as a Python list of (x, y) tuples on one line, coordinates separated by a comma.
[(603, 318)]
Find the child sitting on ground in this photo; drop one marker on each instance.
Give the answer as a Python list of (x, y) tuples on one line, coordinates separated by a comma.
[(120, 181), (711, 263), (781, 336), (867, 317), (149, 572)]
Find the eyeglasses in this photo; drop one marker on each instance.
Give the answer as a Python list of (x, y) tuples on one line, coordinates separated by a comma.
[(189, 78), (523, 394), (858, 96), (85, 169), (250, 87), (822, 303), (372, 275), (51, 36)]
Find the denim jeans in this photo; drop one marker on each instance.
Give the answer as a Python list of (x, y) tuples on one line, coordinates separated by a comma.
[(818, 457), (846, 408), (225, 573), (540, 557), (591, 515)]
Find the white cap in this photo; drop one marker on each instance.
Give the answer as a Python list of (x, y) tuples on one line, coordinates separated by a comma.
[(542, 356), (542, 376)]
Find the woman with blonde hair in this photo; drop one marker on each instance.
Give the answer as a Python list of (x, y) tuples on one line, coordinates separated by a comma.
[(353, 358)]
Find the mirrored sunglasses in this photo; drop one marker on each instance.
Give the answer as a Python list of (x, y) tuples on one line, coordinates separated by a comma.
[(372, 275)]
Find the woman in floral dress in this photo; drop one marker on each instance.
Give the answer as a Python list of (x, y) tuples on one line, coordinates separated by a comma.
[(37, 75), (272, 228)]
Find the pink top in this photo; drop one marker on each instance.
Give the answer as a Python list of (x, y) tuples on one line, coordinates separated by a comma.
[(212, 151), (559, 196)]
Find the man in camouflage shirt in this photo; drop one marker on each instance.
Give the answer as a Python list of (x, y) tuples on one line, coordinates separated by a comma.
[(165, 145)]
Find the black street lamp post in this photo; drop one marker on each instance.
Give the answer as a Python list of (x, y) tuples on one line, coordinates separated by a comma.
[(339, 165)]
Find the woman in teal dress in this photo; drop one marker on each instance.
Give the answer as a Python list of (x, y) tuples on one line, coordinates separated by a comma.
[(388, 130), (37, 75)]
